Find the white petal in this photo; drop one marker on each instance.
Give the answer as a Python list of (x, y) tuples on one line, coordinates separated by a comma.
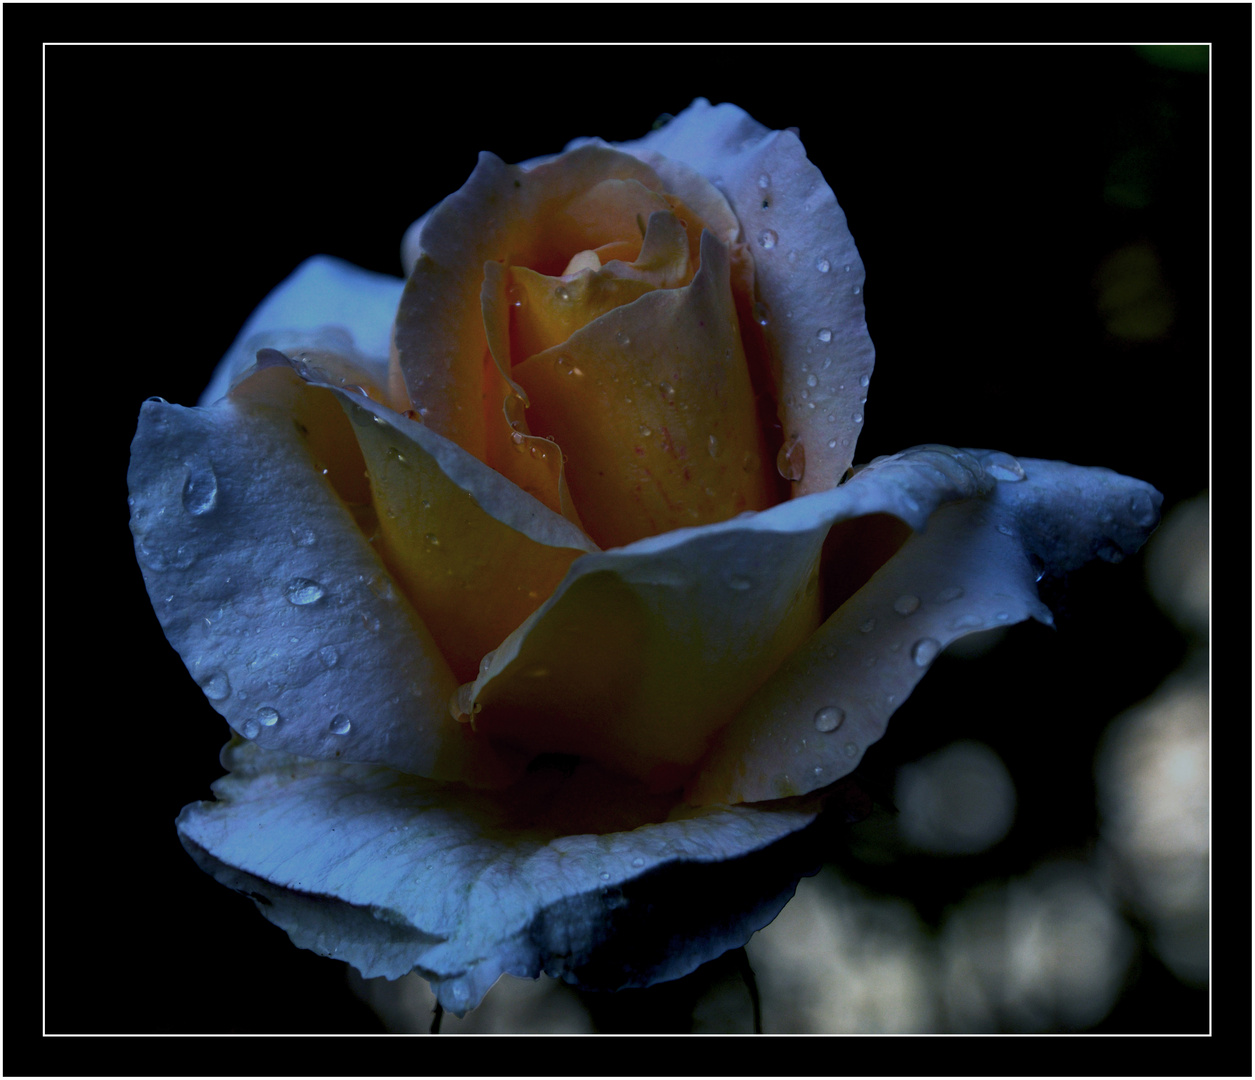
[(392, 873), (325, 303), (280, 608), (974, 567)]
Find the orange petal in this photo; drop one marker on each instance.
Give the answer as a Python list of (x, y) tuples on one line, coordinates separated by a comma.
[(474, 554), (653, 406)]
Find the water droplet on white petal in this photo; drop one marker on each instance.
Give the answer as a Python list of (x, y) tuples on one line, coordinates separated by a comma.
[(824, 335), (906, 604), (301, 591), (267, 717), (340, 724), (924, 651), (823, 265), (200, 492), (829, 718), (217, 686), (767, 239)]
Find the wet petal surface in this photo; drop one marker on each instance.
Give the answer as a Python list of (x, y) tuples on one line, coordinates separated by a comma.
[(578, 876)]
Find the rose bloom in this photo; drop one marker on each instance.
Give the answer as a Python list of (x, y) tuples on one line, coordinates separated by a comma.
[(538, 588)]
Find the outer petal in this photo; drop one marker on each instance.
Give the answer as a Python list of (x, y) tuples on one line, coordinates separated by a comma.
[(326, 303), (280, 608), (808, 274), (580, 877), (974, 567)]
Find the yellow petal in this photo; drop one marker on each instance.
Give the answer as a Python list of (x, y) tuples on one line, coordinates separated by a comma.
[(474, 570), (653, 407)]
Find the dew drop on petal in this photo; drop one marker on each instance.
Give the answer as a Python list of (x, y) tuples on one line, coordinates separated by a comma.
[(739, 582), (906, 604), (712, 444), (946, 595), (667, 391), (645, 431), (623, 339), (1003, 467), (824, 335), (764, 181), (340, 724), (865, 380), (302, 536), (217, 686), (967, 622), (851, 750), (328, 656), (829, 718), (762, 313), (301, 591), (767, 239), (1142, 508), (925, 651), (250, 728), (431, 540), (638, 862), (791, 460), (857, 290), (267, 717), (867, 626), (200, 493), (823, 265)]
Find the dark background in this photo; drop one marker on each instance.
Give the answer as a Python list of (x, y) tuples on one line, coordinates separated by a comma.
[(984, 187)]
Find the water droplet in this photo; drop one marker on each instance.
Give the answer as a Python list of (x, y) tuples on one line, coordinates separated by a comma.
[(857, 290), (712, 444), (762, 313), (967, 622), (1003, 467), (767, 239), (1006, 530), (562, 292), (1142, 508), (340, 724), (1003, 616), (791, 460), (302, 536), (645, 431), (431, 540), (832, 444), (267, 717), (857, 417), (1109, 553), (739, 582), (829, 718), (667, 391), (864, 380), (925, 651), (638, 862), (823, 265), (200, 493), (812, 380), (604, 875), (328, 656), (565, 367), (623, 339), (867, 626), (486, 662), (764, 181), (217, 686), (906, 604), (946, 595), (851, 750), (824, 335), (302, 591), (250, 729)]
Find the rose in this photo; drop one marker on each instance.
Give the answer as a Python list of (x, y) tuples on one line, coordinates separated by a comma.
[(344, 574)]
